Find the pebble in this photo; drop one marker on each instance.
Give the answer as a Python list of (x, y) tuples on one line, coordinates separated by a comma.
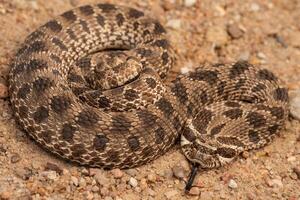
[(143, 183), (5, 195), (131, 172), (295, 103), (104, 191), (232, 184), (15, 158), (133, 182), (174, 23), (101, 178), (50, 175), (234, 31), (217, 35), (297, 171), (24, 174), (189, 3), (117, 173), (151, 177), (95, 188), (82, 182), (53, 167), (274, 183), (178, 172), (3, 91), (74, 180), (195, 191), (254, 7), (85, 172), (261, 55), (151, 192), (170, 194)]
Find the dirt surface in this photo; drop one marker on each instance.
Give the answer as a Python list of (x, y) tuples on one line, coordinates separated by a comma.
[(263, 32)]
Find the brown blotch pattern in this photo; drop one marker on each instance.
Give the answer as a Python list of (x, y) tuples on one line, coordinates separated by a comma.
[(120, 19), (106, 7), (133, 13), (158, 28), (208, 76), (100, 142), (120, 124), (180, 91), (131, 94), (84, 26), (23, 111), (23, 91), (255, 119), (159, 135), (59, 43), (265, 74), (273, 129), (217, 129), (233, 113), (41, 114), (202, 119), (226, 152), (188, 134), (67, 132), (100, 20), (151, 82), (47, 136), (69, 16), (238, 68), (259, 87), (87, 118), (133, 143), (278, 112), (41, 84), (281, 94), (253, 136), (78, 150), (165, 106), (54, 26), (232, 104), (103, 102), (86, 10), (60, 104)]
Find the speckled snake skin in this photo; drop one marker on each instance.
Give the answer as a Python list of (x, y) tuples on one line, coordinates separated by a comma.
[(89, 86)]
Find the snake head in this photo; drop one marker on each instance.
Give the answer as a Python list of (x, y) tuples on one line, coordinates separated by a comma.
[(204, 150)]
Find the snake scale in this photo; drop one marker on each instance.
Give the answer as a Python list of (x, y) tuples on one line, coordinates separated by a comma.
[(89, 86)]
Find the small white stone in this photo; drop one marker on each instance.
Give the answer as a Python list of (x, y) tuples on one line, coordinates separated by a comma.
[(133, 182), (51, 175), (174, 23), (261, 55), (232, 184), (189, 3), (291, 159), (295, 103), (254, 7)]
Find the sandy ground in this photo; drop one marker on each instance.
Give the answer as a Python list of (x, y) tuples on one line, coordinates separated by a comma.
[(263, 32)]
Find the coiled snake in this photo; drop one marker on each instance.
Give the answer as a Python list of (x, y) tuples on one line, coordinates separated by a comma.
[(89, 86)]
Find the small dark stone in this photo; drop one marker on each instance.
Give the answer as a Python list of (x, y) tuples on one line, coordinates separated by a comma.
[(15, 158), (53, 167)]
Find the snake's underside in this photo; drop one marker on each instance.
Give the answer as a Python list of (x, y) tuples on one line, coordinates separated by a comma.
[(89, 86)]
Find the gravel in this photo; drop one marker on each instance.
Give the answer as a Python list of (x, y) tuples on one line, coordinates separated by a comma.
[(133, 182), (232, 184)]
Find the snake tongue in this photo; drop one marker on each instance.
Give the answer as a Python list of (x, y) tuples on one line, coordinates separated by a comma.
[(192, 176)]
